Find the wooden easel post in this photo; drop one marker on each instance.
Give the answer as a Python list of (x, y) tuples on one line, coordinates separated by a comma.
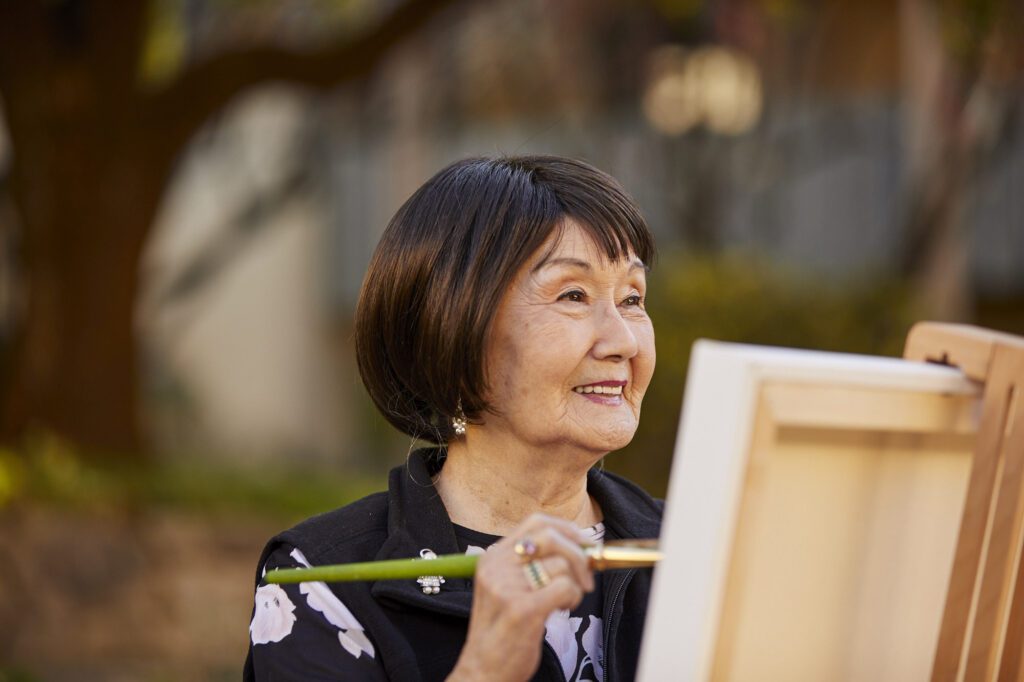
[(982, 632)]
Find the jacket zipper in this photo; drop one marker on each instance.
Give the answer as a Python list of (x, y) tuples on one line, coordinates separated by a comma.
[(611, 614)]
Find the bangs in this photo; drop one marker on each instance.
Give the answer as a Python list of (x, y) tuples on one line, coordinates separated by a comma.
[(615, 236), (602, 209)]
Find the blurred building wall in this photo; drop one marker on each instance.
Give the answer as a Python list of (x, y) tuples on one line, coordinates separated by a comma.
[(241, 357)]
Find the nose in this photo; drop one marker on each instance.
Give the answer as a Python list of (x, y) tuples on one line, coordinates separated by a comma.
[(615, 339)]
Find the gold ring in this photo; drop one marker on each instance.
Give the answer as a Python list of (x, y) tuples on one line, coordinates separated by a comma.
[(536, 575), (525, 549)]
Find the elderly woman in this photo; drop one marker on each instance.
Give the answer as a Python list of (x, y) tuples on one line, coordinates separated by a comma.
[(502, 318)]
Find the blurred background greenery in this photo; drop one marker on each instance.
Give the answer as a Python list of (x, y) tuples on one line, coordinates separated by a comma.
[(190, 191)]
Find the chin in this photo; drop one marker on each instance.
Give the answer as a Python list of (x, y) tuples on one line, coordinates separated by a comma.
[(611, 440), (619, 443)]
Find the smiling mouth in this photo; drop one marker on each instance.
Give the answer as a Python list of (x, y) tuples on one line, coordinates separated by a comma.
[(612, 388)]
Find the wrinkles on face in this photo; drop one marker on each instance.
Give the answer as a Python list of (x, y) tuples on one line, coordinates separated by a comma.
[(555, 331)]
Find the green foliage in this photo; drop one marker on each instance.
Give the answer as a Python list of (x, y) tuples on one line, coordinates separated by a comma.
[(163, 52), (967, 24), (741, 299), (16, 675)]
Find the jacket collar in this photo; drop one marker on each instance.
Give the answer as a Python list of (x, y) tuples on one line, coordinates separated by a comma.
[(417, 519), (628, 510)]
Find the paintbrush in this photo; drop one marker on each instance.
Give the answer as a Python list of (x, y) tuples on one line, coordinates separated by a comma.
[(602, 557)]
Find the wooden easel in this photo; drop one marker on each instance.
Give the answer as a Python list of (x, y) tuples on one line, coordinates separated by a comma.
[(982, 632)]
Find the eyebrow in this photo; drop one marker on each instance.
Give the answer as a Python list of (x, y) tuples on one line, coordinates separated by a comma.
[(636, 264)]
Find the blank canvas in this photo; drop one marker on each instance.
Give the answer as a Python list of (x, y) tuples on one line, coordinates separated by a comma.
[(812, 515)]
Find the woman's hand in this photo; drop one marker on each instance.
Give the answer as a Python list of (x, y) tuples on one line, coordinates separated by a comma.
[(506, 626)]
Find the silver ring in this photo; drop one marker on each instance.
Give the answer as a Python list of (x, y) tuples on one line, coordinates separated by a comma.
[(536, 575)]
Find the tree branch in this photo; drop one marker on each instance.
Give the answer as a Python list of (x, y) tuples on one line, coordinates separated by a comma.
[(176, 112)]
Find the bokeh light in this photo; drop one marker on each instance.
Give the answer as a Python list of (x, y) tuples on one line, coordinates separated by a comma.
[(716, 86)]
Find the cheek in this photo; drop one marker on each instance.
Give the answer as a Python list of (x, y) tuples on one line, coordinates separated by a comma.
[(534, 358), (513, 360), (502, 369), (645, 357), (542, 358)]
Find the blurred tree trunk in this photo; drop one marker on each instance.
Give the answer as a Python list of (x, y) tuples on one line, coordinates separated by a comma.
[(93, 149), (961, 68), (73, 368)]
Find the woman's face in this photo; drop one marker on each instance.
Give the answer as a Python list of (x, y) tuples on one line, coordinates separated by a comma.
[(571, 351)]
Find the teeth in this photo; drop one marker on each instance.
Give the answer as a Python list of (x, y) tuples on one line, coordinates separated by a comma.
[(604, 390)]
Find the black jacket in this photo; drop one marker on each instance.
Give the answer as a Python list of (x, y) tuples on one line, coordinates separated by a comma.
[(419, 636)]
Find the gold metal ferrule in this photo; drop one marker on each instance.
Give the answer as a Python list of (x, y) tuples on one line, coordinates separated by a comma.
[(624, 554)]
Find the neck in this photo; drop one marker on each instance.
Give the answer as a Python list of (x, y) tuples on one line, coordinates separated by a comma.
[(492, 488)]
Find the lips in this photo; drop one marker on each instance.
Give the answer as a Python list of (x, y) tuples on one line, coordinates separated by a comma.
[(609, 387)]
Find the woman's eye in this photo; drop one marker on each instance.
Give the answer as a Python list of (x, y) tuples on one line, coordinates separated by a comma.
[(634, 300), (576, 296)]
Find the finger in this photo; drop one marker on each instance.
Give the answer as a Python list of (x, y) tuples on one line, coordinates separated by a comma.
[(552, 543), (563, 592), (536, 575), (539, 572)]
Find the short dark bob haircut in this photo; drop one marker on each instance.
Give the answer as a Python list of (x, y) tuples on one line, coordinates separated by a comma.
[(446, 260)]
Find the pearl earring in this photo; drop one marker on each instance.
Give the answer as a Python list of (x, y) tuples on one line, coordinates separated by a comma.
[(459, 420)]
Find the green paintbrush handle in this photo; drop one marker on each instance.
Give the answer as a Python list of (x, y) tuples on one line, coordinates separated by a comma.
[(610, 555), (450, 566)]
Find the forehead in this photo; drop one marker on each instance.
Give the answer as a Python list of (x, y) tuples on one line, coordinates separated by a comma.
[(571, 242)]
